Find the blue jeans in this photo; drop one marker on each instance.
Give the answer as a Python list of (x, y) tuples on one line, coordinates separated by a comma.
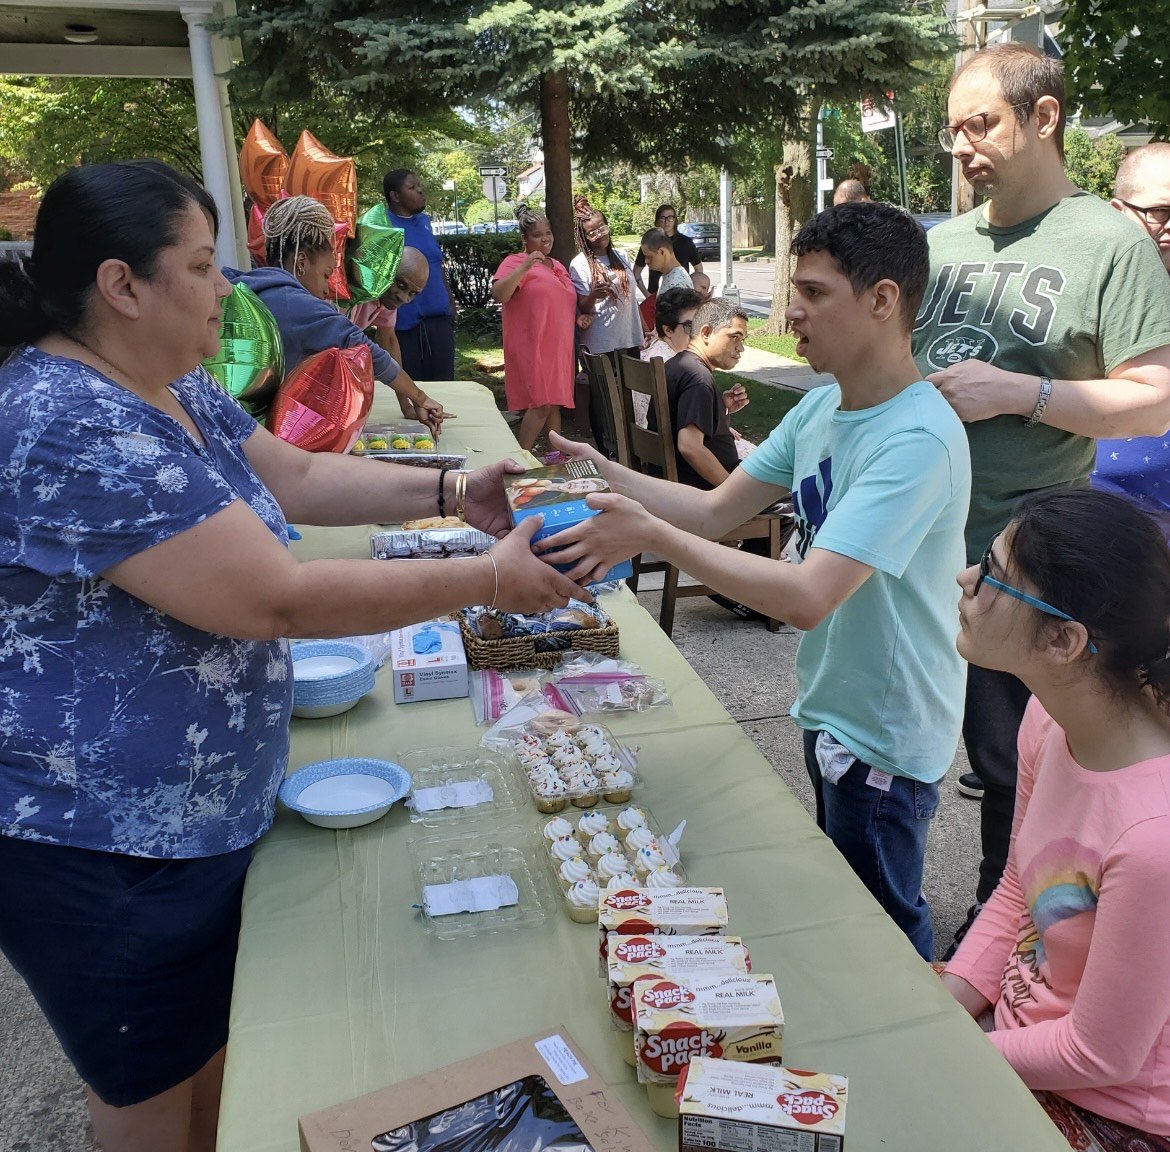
[(882, 834)]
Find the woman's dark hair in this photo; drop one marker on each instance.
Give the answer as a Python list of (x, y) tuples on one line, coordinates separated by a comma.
[(671, 304), (527, 218), (126, 211), (1104, 562), (393, 181)]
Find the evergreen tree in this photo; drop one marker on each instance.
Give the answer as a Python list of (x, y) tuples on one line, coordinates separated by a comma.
[(623, 80)]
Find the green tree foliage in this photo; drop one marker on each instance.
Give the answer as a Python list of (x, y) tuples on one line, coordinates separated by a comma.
[(1116, 59), (1092, 164)]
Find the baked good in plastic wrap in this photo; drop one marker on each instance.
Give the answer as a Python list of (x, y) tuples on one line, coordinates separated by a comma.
[(608, 848), (590, 682), (429, 543), (569, 763), (551, 630)]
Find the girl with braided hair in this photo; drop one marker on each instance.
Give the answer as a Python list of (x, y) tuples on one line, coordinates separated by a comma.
[(605, 288), (540, 308), (298, 239)]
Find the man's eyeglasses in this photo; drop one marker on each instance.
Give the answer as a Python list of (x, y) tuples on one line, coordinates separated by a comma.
[(985, 577), (1157, 214), (974, 127)]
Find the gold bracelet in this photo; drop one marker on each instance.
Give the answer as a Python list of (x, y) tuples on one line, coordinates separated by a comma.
[(496, 574), (461, 495)]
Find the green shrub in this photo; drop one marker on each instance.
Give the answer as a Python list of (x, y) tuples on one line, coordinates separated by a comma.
[(643, 218), (620, 214), (5, 234), (471, 261), (483, 325)]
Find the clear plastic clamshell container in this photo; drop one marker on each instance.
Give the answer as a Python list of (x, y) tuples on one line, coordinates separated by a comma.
[(475, 882), (458, 784), (607, 846), (570, 764)]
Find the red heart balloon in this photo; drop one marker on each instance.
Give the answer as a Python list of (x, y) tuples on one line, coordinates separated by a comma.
[(324, 401)]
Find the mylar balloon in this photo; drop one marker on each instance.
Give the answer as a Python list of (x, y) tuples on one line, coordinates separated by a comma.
[(338, 287), (263, 165), (374, 261), (250, 363), (324, 401), (256, 244), (315, 171)]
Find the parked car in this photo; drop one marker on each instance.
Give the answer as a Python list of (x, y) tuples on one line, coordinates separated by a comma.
[(929, 219), (706, 238)]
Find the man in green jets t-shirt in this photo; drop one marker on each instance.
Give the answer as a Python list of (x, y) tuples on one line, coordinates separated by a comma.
[(1046, 324)]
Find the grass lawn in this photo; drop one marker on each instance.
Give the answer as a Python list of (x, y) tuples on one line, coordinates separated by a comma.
[(769, 405), (480, 358), (777, 345)]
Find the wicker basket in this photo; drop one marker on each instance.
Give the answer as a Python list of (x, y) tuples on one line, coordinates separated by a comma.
[(543, 651)]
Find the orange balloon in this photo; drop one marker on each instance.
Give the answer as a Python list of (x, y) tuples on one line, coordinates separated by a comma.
[(324, 401), (315, 171), (263, 165)]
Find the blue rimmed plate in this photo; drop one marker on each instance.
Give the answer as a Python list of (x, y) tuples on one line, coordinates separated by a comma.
[(345, 793), (330, 676)]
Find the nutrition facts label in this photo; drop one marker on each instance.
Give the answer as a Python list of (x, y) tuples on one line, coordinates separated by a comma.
[(709, 1132)]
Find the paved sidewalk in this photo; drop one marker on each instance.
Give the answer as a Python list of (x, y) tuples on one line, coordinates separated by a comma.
[(768, 368)]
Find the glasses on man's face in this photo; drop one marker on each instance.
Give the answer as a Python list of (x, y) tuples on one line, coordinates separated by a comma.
[(985, 577), (1156, 214), (975, 127)]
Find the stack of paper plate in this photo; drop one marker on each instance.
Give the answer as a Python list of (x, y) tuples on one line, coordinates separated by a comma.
[(330, 677), (345, 793)]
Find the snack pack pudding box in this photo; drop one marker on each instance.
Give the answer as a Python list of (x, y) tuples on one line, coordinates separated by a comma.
[(557, 492), (631, 957), (730, 1107), (659, 912), (729, 1015)]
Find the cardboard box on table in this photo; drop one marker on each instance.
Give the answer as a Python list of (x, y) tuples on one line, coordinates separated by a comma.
[(552, 1056)]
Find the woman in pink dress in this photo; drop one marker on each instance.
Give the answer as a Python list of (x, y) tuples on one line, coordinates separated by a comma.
[(540, 310)]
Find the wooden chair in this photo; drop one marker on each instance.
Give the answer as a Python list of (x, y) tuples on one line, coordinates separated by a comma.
[(602, 418), (654, 452)]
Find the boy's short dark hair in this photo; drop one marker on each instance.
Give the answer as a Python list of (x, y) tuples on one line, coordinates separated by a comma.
[(870, 242), (654, 239)]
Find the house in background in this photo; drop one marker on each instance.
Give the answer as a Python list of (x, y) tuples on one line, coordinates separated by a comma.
[(531, 181)]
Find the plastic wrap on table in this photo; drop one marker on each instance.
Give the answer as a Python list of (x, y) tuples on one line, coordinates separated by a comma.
[(552, 631), (592, 682), (324, 401), (429, 543), (495, 693)]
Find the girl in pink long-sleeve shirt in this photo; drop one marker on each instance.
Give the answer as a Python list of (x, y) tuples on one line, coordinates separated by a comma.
[(1073, 949)]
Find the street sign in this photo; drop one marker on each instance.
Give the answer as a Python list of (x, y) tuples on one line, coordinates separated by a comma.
[(494, 188), (873, 118), (824, 153), (493, 170)]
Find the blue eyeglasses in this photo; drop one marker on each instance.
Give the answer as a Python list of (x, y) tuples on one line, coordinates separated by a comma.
[(985, 577)]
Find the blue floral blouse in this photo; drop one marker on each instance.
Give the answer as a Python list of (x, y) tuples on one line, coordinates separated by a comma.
[(122, 729)]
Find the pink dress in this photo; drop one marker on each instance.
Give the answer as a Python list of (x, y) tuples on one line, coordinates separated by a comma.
[(539, 332)]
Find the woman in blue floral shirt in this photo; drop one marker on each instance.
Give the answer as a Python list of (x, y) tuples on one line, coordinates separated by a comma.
[(146, 591)]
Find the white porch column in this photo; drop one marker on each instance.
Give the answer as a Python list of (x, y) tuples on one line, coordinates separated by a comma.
[(212, 145), (243, 259)]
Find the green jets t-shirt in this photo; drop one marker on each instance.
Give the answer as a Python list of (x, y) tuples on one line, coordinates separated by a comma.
[(1070, 294)]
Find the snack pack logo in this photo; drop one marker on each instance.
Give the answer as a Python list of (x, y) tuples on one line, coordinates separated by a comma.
[(964, 343), (808, 1107), (666, 994), (639, 950), (669, 1051), (628, 899)]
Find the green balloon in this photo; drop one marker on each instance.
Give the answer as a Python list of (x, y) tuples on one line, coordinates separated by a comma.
[(374, 260), (250, 362)]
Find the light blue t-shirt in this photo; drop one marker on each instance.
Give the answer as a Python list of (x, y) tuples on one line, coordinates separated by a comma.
[(887, 486), (123, 729)]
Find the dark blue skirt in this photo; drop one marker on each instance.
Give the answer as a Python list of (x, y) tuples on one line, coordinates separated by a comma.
[(130, 958)]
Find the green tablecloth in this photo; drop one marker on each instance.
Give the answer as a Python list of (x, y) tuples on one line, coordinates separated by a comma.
[(339, 990)]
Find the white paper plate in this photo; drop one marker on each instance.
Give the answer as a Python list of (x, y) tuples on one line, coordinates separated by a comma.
[(323, 667)]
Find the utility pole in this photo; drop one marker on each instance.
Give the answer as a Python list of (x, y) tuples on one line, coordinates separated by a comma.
[(962, 194)]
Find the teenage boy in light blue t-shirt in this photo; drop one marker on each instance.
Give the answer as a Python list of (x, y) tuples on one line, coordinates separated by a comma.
[(880, 480)]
